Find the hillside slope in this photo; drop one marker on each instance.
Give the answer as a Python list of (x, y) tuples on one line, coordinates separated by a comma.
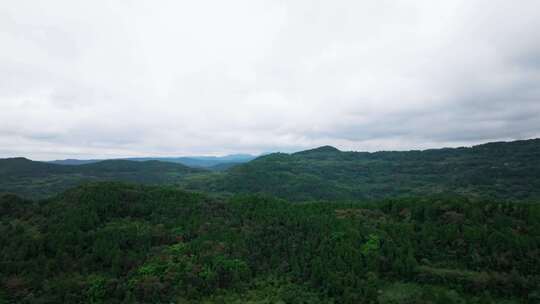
[(37, 179), (507, 170), (502, 170), (209, 162), (116, 243)]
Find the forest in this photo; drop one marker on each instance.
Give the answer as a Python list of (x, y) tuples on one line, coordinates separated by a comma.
[(120, 243), (502, 170), (319, 226)]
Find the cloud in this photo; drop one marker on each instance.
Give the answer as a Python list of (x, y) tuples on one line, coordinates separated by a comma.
[(129, 78)]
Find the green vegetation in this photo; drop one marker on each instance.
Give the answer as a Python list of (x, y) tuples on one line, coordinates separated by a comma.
[(318, 226), (209, 162), (34, 179), (118, 243), (507, 171), (496, 170)]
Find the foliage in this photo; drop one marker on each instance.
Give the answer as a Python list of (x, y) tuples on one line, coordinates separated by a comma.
[(495, 170), (498, 171), (118, 243), (36, 180)]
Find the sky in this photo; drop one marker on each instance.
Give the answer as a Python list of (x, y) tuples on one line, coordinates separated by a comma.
[(106, 79)]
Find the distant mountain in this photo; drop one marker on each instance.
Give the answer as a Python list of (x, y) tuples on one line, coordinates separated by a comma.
[(74, 162), (502, 170), (39, 179), (508, 170), (319, 151), (202, 161), (210, 162), (20, 166)]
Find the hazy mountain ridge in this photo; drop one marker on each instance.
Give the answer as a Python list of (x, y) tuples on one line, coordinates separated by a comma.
[(192, 161), (39, 179), (467, 232), (509, 170), (503, 170)]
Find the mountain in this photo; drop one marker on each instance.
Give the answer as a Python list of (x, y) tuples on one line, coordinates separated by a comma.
[(507, 170), (500, 170), (117, 243), (319, 151), (436, 226), (210, 162), (39, 179), (20, 166), (74, 162)]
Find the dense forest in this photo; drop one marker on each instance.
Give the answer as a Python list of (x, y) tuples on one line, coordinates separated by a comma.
[(497, 170), (503, 170), (318, 226), (118, 243), (33, 179)]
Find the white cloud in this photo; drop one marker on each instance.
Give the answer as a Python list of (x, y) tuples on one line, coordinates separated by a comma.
[(126, 78)]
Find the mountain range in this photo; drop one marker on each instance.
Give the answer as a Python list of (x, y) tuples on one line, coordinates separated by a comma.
[(507, 170), (211, 162), (36, 179), (504, 170), (457, 225)]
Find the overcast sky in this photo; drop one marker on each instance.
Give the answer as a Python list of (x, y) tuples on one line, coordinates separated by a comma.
[(86, 79)]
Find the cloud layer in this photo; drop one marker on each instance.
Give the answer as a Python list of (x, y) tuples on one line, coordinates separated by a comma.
[(126, 78)]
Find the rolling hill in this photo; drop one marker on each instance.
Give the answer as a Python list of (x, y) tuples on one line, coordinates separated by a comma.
[(501, 170), (459, 236), (38, 179), (117, 243), (507, 170), (210, 162)]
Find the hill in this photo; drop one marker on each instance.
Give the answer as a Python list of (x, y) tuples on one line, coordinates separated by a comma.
[(209, 162), (38, 179), (504, 170), (74, 162), (501, 170), (20, 166), (118, 243)]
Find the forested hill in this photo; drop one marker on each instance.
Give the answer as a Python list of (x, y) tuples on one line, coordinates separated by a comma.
[(504, 170), (38, 179), (116, 243), (210, 162)]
